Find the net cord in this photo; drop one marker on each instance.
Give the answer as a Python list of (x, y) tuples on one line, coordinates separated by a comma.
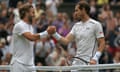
[(68, 68)]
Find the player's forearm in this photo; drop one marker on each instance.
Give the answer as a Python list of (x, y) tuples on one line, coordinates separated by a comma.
[(33, 37), (60, 38), (101, 45), (64, 41)]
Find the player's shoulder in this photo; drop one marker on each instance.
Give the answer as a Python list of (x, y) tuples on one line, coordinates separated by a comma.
[(19, 25), (93, 21), (79, 22)]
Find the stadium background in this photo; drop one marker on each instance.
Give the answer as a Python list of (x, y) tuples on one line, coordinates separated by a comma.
[(61, 14)]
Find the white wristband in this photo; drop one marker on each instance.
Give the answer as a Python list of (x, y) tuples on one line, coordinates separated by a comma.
[(97, 55), (57, 36), (43, 34)]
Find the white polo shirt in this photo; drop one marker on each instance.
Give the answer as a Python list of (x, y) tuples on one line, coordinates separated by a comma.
[(22, 48), (86, 34)]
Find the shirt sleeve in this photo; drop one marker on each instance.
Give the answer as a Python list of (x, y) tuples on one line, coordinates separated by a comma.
[(73, 30), (99, 30), (20, 29)]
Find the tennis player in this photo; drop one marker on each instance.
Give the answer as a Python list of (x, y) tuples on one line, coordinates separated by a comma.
[(88, 34), (23, 41)]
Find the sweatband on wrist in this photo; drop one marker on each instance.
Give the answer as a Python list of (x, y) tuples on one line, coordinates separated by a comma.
[(97, 55), (57, 36), (43, 34)]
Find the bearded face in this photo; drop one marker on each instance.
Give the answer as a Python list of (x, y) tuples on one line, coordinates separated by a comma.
[(31, 15), (30, 19)]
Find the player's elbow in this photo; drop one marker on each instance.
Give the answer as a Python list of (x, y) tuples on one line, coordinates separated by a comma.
[(32, 38), (66, 42)]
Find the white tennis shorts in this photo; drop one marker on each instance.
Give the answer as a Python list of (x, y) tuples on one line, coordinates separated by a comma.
[(79, 62), (18, 67)]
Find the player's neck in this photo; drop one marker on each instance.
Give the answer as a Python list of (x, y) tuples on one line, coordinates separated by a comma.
[(26, 20), (85, 18)]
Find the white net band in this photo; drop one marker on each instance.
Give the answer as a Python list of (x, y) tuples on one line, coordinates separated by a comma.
[(68, 68)]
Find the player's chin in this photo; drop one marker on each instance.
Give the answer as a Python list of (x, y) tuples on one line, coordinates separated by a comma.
[(79, 18)]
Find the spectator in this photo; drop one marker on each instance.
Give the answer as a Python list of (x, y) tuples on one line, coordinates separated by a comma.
[(3, 32), (42, 23), (49, 14), (117, 33), (3, 5), (3, 16), (65, 29), (32, 3), (52, 5), (105, 10), (38, 11), (114, 2), (111, 24), (102, 2), (42, 5), (103, 22), (1, 53), (56, 58), (116, 58), (93, 9), (43, 49), (16, 12), (59, 21), (106, 58), (13, 3)]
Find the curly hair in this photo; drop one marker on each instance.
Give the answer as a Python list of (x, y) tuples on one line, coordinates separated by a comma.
[(24, 9)]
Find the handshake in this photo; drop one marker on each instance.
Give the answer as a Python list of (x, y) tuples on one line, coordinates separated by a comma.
[(51, 30)]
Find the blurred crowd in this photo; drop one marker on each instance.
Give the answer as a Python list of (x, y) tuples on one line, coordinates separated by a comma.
[(47, 51)]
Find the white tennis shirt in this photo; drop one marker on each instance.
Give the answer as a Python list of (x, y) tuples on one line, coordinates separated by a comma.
[(86, 34), (22, 48)]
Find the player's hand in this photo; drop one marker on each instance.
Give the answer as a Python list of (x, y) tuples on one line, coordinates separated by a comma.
[(51, 30), (93, 62)]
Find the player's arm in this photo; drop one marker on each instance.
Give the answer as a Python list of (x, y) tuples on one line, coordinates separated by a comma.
[(101, 42), (101, 46), (50, 30), (63, 40), (33, 37), (68, 38)]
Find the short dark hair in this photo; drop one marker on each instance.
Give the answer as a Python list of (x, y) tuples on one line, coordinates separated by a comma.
[(85, 5), (24, 9)]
